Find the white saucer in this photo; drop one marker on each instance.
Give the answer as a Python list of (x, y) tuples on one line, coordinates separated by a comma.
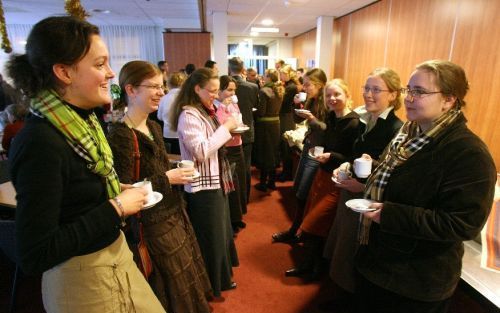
[(157, 198), (240, 129), (302, 111), (196, 174), (311, 154), (360, 205), (336, 181)]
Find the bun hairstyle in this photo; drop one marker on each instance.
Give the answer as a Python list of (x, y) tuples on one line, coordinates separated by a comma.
[(450, 79), (273, 76), (134, 73), (54, 40)]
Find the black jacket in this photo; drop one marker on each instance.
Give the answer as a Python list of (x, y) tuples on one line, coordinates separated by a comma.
[(248, 98)]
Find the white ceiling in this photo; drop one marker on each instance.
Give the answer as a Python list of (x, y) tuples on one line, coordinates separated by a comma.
[(184, 15)]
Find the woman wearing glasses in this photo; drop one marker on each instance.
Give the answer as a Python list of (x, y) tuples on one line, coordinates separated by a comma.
[(179, 278), (432, 190), (378, 124), (202, 140)]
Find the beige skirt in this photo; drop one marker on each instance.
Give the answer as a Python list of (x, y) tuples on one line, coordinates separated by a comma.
[(104, 281)]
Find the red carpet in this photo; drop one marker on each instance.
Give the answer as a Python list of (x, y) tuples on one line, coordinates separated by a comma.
[(262, 286)]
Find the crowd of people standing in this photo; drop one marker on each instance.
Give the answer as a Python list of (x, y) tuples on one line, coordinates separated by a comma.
[(430, 186)]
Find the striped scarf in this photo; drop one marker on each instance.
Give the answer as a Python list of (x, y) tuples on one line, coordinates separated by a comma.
[(84, 136), (403, 146)]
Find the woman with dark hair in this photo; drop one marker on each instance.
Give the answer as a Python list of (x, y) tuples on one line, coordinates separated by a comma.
[(267, 130), (202, 138), (432, 190), (179, 278), (314, 113), (70, 203), (227, 105)]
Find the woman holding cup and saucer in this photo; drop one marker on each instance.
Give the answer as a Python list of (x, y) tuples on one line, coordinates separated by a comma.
[(432, 190), (341, 131), (70, 202), (314, 114), (378, 124), (227, 105), (202, 138), (179, 278)]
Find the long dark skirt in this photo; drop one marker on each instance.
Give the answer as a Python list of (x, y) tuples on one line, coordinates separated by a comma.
[(209, 214), (237, 198), (179, 279), (266, 145), (342, 243)]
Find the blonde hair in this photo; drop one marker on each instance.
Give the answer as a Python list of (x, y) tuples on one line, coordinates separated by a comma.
[(393, 82), (342, 84)]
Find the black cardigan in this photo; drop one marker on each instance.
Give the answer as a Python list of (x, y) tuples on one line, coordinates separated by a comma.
[(62, 208)]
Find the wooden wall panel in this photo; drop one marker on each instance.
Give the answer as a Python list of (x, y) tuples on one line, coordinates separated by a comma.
[(419, 30), (477, 43), (340, 43), (304, 47), (184, 48), (368, 33)]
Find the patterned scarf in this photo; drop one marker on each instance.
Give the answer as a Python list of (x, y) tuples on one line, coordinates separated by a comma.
[(226, 177), (84, 136), (403, 146)]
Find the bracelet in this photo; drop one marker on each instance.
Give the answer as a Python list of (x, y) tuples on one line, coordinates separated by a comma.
[(120, 206)]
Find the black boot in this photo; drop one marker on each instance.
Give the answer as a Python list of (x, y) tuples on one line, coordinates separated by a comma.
[(271, 181), (306, 267), (290, 236)]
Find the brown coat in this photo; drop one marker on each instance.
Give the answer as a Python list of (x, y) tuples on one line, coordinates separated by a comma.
[(179, 278)]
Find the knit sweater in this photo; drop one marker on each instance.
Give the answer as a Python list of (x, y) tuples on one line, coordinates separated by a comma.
[(200, 143)]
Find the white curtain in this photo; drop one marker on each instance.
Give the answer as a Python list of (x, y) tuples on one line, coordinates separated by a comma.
[(125, 43)]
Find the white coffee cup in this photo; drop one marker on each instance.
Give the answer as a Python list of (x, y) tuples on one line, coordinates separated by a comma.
[(318, 150), (234, 99), (343, 175), (148, 187), (362, 167), (185, 164), (238, 117), (302, 96)]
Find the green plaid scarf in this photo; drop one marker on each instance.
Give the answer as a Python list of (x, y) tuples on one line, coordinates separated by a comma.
[(403, 146), (84, 136)]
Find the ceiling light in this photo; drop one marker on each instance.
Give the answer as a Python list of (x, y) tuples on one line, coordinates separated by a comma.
[(267, 22), (265, 29), (292, 3), (101, 11), (254, 34)]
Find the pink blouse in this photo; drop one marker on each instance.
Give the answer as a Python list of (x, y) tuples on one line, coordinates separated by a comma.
[(223, 112)]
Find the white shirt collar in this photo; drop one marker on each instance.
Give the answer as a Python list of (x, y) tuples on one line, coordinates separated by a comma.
[(364, 116)]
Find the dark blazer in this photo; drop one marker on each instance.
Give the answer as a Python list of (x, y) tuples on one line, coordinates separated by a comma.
[(437, 199), (248, 98), (375, 141)]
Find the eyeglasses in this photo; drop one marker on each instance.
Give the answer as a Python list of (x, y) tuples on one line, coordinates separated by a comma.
[(155, 87), (374, 90), (212, 92), (417, 93)]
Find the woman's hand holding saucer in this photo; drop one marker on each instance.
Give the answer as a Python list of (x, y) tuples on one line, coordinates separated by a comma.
[(132, 200), (231, 123), (323, 158), (375, 215)]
